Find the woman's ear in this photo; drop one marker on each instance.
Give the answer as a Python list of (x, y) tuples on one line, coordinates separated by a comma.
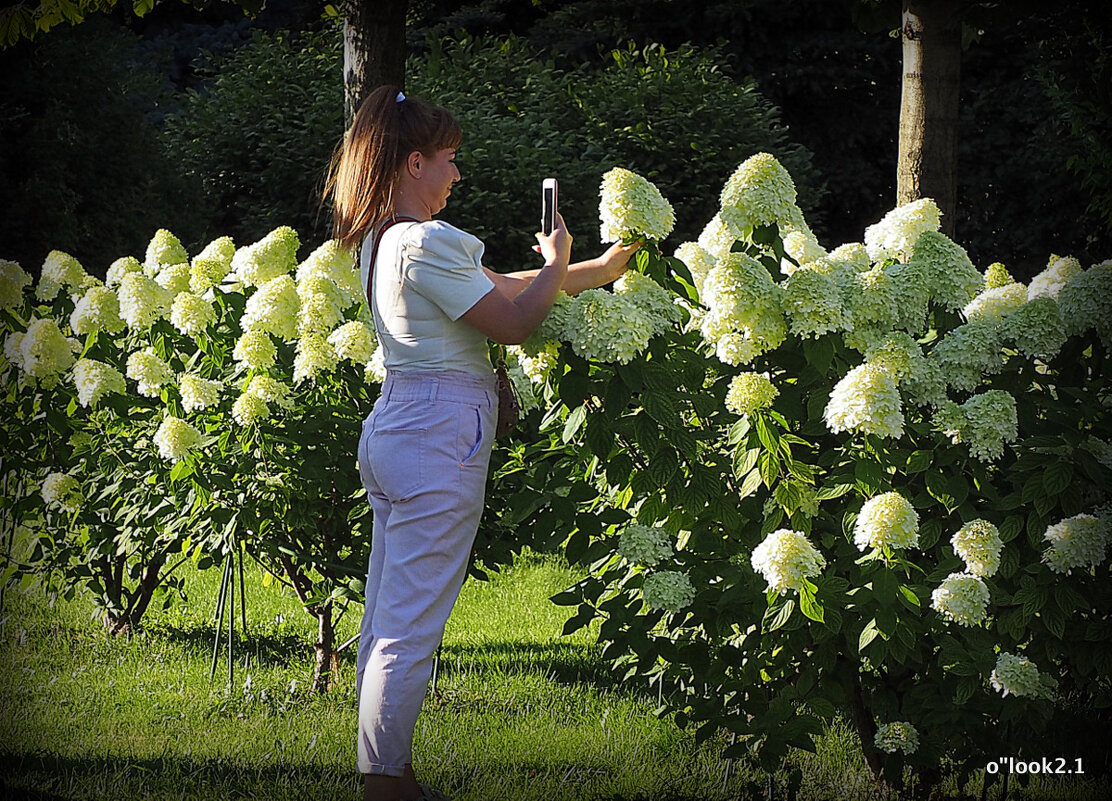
[(413, 163)]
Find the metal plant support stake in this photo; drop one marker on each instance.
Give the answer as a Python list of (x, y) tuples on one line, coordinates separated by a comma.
[(225, 602)]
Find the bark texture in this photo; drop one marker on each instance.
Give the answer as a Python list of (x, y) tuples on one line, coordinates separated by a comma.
[(374, 48), (927, 165)]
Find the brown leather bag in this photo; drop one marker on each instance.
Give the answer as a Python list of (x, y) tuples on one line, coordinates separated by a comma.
[(509, 410)]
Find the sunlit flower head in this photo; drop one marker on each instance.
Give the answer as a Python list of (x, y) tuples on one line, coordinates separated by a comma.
[(335, 263), (149, 372), (249, 409), (997, 275), (896, 233), (760, 192), (750, 392), (968, 353), (121, 267), (315, 355), (1037, 328), (98, 310), (1057, 274), (854, 253), (174, 278), (962, 598), (176, 438), (537, 365), (273, 308), (651, 298), (866, 401), (785, 559), (198, 393), (950, 275), (631, 206), (142, 301), (991, 305), (719, 236), (669, 590), (322, 304), (886, 521), (255, 350), (813, 304), (164, 248), (699, 262), (355, 341), (606, 327), (270, 390), (191, 314), (59, 271), (979, 545), (272, 256), (44, 352), (802, 245), (376, 367), (94, 380), (897, 352)]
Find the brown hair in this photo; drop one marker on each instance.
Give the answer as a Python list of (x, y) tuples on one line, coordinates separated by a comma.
[(365, 166)]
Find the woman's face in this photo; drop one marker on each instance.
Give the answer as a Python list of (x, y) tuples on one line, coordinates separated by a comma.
[(438, 174)]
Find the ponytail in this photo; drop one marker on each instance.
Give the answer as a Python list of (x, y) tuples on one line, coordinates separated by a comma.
[(364, 169)]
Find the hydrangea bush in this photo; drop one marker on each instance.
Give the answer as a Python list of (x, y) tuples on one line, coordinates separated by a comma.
[(876, 465)]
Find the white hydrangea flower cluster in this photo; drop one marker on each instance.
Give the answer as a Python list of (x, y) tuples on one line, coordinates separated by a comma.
[(321, 304), (272, 256), (255, 350), (997, 275), (950, 275), (1086, 302), (1080, 541), (910, 287), (803, 246), (174, 278), (163, 249), (745, 316), (962, 598), (333, 262), (376, 367), (896, 233), (149, 372), (191, 314), (897, 352), (899, 735), (1017, 675), (651, 298), (994, 302), (120, 268), (13, 280), (98, 310), (607, 327), (631, 206), (142, 301), (699, 262), (1037, 328), (645, 545), (871, 302), (94, 380), (59, 271), (853, 253), (785, 559), (760, 192), (1059, 271), (538, 364), (886, 521), (866, 401), (314, 355), (968, 353), (270, 390), (813, 303), (63, 491), (750, 392), (925, 385), (719, 236), (211, 265), (175, 439), (273, 308), (355, 341), (43, 352), (249, 408), (985, 421), (979, 545), (669, 590), (198, 393)]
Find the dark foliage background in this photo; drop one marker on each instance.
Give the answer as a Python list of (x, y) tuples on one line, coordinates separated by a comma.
[(123, 125)]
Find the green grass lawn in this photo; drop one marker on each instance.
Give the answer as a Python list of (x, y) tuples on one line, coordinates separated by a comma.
[(520, 712)]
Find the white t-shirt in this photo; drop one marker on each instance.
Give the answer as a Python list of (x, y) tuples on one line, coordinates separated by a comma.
[(427, 275)]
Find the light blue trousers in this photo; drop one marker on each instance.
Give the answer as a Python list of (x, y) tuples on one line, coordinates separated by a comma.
[(423, 458)]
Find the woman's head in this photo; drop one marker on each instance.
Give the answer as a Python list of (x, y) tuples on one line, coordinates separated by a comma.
[(364, 173)]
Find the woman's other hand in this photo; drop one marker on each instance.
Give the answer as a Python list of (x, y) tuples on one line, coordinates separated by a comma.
[(555, 247)]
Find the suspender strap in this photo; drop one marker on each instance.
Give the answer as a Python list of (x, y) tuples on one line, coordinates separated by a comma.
[(374, 252)]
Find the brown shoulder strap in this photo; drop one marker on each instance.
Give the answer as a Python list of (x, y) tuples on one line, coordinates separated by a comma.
[(374, 251)]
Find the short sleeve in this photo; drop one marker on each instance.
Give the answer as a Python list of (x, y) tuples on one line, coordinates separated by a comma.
[(444, 264)]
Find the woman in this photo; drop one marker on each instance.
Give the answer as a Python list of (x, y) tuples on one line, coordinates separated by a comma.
[(425, 449)]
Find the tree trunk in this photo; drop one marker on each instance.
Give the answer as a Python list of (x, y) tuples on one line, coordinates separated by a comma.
[(374, 48), (927, 164), (866, 729), (325, 650)]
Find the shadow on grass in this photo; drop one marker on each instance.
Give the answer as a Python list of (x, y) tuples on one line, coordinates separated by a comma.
[(265, 650), (559, 662)]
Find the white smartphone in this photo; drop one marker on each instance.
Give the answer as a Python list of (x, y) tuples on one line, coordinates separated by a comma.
[(549, 192)]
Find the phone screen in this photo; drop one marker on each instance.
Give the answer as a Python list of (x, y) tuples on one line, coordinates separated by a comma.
[(548, 207)]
